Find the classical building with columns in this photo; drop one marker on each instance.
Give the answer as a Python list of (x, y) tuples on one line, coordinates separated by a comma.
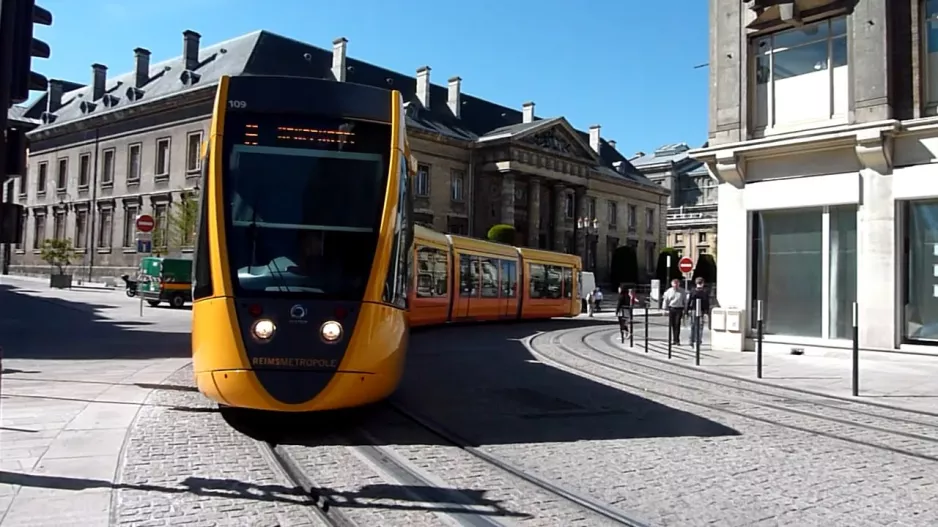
[(129, 143), (824, 139)]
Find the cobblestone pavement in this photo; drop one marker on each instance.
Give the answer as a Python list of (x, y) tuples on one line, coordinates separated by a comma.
[(673, 463)]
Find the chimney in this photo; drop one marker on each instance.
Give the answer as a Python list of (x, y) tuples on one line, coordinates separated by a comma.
[(423, 86), (527, 112), (453, 95), (339, 46), (54, 95), (141, 67), (190, 49), (594, 138), (612, 142), (98, 81)]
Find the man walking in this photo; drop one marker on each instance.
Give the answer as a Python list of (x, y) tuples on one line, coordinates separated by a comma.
[(701, 293), (673, 301)]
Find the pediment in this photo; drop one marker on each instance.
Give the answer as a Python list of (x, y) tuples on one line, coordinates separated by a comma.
[(558, 138)]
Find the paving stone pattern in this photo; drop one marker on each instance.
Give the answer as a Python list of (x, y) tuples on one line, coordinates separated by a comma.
[(672, 463), (183, 465)]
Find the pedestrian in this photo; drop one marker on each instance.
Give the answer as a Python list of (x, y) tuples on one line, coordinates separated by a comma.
[(701, 293), (673, 301), (589, 303), (624, 308)]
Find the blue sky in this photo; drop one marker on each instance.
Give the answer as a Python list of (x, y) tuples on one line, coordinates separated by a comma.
[(617, 63)]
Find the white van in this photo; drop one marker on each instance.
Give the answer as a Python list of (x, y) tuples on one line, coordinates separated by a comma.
[(587, 282)]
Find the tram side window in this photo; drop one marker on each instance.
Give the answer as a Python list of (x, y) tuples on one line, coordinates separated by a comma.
[(538, 280), (431, 273), (567, 282), (508, 281), (554, 282), (489, 277), (468, 275)]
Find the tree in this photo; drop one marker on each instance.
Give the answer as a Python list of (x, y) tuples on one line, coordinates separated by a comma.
[(624, 266), (502, 233), (57, 253), (183, 220), (706, 268), (662, 272)]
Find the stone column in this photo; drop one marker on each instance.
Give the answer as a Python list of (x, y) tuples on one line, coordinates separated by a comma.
[(581, 209), (534, 210), (560, 202), (508, 199)]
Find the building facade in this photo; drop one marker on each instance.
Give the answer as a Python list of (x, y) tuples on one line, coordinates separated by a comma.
[(823, 134), (692, 200), (129, 144)]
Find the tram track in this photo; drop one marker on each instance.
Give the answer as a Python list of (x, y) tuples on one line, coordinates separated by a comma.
[(717, 398)]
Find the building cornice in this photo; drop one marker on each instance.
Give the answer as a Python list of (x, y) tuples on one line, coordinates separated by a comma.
[(872, 143)]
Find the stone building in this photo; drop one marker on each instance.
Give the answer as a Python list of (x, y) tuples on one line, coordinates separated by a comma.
[(692, 203), (824, 135), (129, 144)]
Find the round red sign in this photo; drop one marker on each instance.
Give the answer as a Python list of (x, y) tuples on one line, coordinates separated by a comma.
[(686, 265), (145, 223)]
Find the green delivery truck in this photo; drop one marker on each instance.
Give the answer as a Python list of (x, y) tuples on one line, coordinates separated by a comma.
[(165, 280)]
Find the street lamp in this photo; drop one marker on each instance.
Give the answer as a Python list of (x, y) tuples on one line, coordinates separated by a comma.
[(591, 226)]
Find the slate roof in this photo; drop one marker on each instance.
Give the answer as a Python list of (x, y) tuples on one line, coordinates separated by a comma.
[(266, 53)]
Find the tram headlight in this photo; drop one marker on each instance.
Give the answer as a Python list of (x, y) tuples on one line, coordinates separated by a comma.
[(331, 331), (264, 329)]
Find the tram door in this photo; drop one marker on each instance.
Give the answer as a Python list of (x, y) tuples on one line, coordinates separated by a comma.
[(468, 284), (508, 286)]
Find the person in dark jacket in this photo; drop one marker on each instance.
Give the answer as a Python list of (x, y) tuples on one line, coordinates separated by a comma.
[(623, 311), (702, 293)]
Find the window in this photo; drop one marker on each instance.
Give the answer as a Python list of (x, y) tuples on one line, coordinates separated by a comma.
[(569, 205), (567, 282), (457, 182), (42, 178), (931, 45), (468, 276), (489, 277), (107, 167), (651, 257), (546, 281), (633, 217), (39, 230), (161, 225), (130, 227), (613, 214), (509, 279), (133, 161), (431, 272), (161, 169), (81, 229), (58, 225), (702, 237), (804, 270), (591, 208), (422, 185), (920, 313), (194, 152), (801, 75), (650, 221), (24, 221), (84, 170), (24, 182), (678, 238), (105, 228), (61, 176)]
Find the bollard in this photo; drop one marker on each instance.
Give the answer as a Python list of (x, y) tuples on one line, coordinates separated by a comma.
[(647, 308), (759, 339), (670, 332), (856, 351), (698, 330), (631, 324)]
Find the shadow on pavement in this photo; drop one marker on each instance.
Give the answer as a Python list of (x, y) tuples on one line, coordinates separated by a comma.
[(424, 498), (481, 382), (51, 328)]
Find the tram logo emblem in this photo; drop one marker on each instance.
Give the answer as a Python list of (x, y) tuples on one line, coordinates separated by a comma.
[(297, 312)]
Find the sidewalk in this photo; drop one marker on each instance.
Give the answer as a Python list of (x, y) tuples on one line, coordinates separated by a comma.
[(903, 381), (77, 282)]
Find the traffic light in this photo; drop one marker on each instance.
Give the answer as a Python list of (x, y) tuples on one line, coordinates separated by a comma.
[(25, 47)]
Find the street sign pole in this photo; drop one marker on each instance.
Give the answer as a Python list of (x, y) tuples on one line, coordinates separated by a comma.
[(144, 238)]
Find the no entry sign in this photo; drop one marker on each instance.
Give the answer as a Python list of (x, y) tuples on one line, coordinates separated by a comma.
[(686, 265), (145, 223)]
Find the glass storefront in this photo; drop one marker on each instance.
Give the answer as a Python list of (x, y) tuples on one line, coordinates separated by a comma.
[(920, 306), (804, 269)]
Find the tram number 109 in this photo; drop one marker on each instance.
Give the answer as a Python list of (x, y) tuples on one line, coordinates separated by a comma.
[(237, 105)]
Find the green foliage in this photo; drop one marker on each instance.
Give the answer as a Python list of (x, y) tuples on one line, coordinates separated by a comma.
[(624, 266), (180, 232), (707, 268), (662, 272), (502, 233), (57, 253)]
